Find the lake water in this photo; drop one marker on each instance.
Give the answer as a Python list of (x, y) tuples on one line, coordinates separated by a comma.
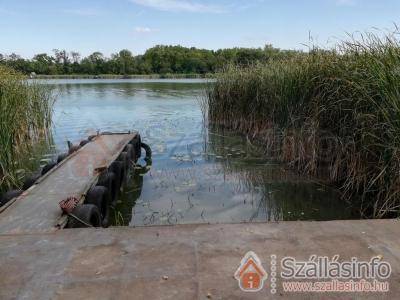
[(197, 175)]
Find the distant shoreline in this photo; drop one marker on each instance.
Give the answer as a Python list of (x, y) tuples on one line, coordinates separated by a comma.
[(113, 76)]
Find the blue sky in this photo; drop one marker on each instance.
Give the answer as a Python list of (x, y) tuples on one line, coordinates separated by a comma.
[(35, 26)]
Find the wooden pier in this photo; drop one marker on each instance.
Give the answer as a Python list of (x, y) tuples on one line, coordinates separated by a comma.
[(38, 210)]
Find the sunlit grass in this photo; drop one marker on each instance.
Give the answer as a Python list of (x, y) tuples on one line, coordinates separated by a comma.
[(336, 110), (25, 114)]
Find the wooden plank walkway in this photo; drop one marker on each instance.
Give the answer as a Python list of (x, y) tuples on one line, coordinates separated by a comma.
[(37, 209)]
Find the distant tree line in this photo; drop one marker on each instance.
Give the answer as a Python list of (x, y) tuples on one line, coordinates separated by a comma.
[(156, 60)]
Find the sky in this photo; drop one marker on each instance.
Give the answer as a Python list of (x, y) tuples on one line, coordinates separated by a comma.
[(28, 27)]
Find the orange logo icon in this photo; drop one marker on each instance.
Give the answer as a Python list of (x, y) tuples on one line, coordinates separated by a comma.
[(251, 274)]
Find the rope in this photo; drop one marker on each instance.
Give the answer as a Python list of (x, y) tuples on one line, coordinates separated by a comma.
[(80, 220), (68, 205)]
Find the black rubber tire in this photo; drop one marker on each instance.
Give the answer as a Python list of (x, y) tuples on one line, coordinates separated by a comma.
[(73, 149), (130, 150), (61, 157), (127, 157), (136, 143), (99, 196), (30, 180), (83, 143), (147, 149), (91, 137), (117, 168), (48, 167), (123, 158), (108, 179), (8, 196), (88, 213)]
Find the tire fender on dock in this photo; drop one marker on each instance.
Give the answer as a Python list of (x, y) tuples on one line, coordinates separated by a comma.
[(99, 196), (117, 168), (136, 143), (48, 167), (61, 157), (108, 179), (8, 196), (130, 150), (123, 158), (30, 180), (86, 215), (147, 149)]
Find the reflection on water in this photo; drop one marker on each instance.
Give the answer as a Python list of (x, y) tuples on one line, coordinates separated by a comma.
[(88, 105), (196, 175), (224, 179)]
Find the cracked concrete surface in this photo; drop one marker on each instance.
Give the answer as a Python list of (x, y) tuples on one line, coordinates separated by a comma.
[(181, 262)]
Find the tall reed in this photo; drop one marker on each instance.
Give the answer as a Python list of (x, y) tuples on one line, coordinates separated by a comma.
[(25, 117), (336, 111)]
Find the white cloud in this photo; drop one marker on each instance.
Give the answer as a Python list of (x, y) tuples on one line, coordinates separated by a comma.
[(140, 29), (179, 6)]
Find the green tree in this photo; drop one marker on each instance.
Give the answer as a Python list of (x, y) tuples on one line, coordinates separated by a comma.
[(42, 63)]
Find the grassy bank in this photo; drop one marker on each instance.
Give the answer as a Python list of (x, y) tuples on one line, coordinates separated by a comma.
[(25, 114), (334, 113)]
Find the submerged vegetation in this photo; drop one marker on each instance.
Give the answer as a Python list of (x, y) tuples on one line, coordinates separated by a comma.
[(25, 117), (333, 113)]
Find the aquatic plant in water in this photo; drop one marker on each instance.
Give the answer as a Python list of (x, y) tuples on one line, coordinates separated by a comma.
[(25, 118), (334, 112)]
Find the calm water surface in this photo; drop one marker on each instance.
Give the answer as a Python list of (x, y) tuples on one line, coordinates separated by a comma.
[(197, 175)]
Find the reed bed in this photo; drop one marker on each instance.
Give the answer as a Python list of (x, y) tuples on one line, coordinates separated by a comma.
[(333, 113), (25, 118)]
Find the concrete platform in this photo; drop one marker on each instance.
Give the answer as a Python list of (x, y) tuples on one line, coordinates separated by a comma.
[(182, 262)]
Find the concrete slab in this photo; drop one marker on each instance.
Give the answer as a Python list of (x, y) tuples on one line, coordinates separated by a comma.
[(182, 262), (37, 209)]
